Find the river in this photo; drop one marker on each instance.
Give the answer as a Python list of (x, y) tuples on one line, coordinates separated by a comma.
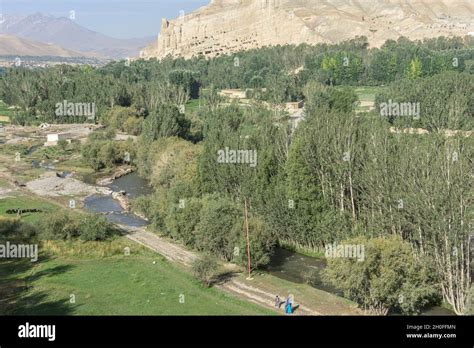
[(134, 186), (298, 268), (284, 264)]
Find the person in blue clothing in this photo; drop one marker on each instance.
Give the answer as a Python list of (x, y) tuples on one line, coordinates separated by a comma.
[(288, 305)]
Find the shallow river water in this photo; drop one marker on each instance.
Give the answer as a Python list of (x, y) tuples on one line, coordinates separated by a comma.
[(284, 264), (299, 268), (134, 186)]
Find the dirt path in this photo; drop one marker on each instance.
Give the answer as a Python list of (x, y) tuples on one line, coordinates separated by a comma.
[(257, 291), (172, 252)]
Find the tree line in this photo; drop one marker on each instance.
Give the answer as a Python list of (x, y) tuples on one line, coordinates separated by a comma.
[(340, 177)]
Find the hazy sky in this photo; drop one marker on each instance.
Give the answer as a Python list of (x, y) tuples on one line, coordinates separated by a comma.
[(117, 18)]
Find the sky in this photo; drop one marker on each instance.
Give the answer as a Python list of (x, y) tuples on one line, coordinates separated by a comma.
[(116, 18)]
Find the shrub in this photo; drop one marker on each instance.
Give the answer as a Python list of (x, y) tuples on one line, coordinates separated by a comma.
[(62, 144), (59, 225), (64, 226), (262, 242), (205, 269), (95, 228), (182, 220), (16, 230), (220, 227), (133, 125), (102, 151), (390, 277)]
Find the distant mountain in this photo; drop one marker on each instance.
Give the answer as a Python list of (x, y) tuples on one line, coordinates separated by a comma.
[(67, 33), (15, 46)]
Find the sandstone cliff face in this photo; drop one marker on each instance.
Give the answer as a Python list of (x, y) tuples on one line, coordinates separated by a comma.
[(227, 26)]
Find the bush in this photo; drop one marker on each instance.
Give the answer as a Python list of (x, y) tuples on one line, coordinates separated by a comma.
[(389, 278), (182, 221), (220, 227), (143, 205), (262, 242), (65, 226), (102, 151), (205, 269), (133, 125), (59, 226), (95, 228), (15, 230), (62, 144)]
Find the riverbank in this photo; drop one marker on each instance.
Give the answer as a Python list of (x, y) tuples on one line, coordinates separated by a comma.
[(117, 173), (262, 289)]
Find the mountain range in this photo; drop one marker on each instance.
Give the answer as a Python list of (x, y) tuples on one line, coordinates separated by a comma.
[(16, 46), (70, 36)]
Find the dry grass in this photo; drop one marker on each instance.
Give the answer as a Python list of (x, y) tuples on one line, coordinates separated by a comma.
[(89, 249)]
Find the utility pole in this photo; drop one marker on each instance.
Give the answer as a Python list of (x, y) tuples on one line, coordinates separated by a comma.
[(248, 239)]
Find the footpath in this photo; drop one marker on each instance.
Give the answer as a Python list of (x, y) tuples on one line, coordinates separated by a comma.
[(261, 290)]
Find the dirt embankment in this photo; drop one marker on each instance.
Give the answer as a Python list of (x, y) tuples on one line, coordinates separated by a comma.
[(121, 171), (123, 200)]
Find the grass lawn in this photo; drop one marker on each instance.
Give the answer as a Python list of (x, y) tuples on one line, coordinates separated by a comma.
[(367, 97), (4, 112), (26, 202), (193, 104), (142, 283), (368, 92)]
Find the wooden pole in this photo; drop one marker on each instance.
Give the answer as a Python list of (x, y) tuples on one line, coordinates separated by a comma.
[(248, 239)]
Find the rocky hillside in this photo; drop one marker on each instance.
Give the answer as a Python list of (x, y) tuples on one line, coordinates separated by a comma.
[(226, 26), (15, 46)]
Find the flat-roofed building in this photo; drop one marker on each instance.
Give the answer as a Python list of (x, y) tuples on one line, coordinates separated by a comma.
[(53, 138)]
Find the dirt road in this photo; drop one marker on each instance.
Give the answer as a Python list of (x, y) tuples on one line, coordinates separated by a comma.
[(259, 290)]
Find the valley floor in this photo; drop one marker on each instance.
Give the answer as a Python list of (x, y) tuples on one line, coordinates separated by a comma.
[(261, 290)]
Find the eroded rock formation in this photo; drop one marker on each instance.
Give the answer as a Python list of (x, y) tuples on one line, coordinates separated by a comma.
[(227, 26)]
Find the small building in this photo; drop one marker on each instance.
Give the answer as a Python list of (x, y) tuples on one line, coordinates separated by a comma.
[(53, 139), (294, 106), (241, 93), (233, 93)]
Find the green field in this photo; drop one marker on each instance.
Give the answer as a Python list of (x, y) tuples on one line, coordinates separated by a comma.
[(366, 96), (193, 104), (24, 202), (4, 112), (142, 283)]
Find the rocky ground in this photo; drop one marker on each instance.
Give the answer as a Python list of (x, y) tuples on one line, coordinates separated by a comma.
[(49, 184)]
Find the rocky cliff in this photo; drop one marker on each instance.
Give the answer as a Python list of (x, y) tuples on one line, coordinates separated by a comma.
[(227, 26)]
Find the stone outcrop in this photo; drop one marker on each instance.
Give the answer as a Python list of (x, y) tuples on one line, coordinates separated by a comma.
[(228, 26)]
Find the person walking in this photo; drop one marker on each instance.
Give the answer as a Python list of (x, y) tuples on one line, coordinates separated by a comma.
[(288, 305), (277, 301)]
